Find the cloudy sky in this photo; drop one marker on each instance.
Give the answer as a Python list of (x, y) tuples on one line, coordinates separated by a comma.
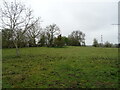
[(92, 17)]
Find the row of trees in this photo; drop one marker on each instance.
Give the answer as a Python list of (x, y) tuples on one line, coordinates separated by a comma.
[(49, 37), (106, 44)]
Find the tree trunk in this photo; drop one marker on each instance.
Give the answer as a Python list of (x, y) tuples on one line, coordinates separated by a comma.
[(34, 42), (17, 51)]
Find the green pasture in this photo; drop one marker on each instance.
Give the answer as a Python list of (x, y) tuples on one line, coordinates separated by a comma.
[(68, 67)]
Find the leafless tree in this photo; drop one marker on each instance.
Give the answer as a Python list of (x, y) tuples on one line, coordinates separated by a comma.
[(16, 17), (83, 39), (51, 31), (77, 38), (34, 31)]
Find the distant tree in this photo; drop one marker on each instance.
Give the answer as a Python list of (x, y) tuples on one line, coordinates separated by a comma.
[(73, 41), (100, 45), (34, 32), (42, 41), (116, 45), (48, 39), (66, 40), (108, 44), (83, 39), (16, 17), (59, 41), (95, 43), (7, 38), (51, 31), (77, 38)]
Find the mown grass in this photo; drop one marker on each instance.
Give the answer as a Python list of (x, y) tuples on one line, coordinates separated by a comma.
[(70, 67)]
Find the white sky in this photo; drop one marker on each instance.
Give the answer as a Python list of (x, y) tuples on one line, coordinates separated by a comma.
[(92, 17)]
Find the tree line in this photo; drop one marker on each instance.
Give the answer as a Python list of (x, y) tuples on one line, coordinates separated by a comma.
[(49, 37), (106, 44)]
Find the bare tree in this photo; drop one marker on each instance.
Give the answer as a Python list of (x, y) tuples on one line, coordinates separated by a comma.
[(34, 31), (42, 39), (77, 38), (51, 31), (83, 39), (16, 17)]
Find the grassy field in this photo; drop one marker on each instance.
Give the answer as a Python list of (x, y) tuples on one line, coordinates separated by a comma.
[(69, 67)]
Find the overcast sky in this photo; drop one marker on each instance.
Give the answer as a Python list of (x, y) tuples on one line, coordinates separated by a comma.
[(92, 17)]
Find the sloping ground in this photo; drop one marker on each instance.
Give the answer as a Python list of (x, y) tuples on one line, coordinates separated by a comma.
[(69, 67)]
